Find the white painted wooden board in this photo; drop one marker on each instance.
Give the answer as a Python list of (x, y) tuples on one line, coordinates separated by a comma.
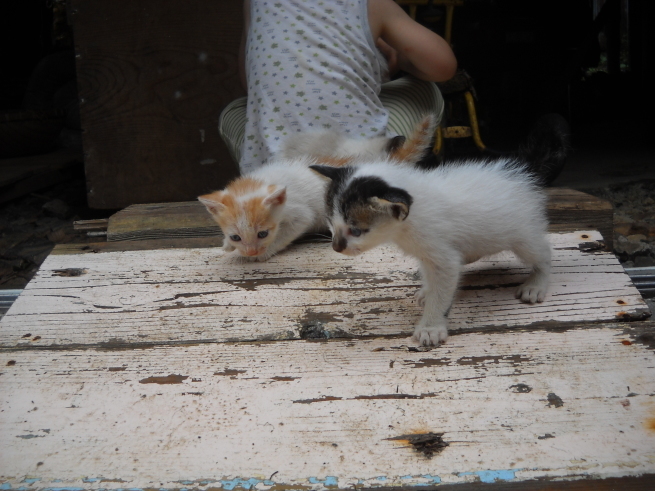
[(512, 405), (200, 295)]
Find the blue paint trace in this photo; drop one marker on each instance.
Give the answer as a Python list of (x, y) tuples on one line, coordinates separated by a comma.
[(31, 480), (244, 483), (433, 479), (329, 481), (493, 476)]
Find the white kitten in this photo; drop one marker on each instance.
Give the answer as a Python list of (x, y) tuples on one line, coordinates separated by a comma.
[(445, 217)]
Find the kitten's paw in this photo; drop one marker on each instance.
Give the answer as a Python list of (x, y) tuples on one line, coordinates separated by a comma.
[(420, 296), (430, 336), (532, 291)]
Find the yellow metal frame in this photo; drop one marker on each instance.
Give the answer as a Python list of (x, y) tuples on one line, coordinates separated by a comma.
[(453, 131)]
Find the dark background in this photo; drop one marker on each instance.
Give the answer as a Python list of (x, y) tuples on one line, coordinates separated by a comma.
[(151, 73), (589, 60)]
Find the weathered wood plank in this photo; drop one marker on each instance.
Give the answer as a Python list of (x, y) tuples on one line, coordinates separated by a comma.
[(201, 295), (162, 220), (568, 210), (512, 406)]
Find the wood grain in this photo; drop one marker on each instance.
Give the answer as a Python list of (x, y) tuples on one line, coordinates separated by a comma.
[(512, 406), (175, 296), (153, 77)]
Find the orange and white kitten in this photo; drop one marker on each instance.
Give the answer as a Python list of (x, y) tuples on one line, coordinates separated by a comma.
[(263, 212)]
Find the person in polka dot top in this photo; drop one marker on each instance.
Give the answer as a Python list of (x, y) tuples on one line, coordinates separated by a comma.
[(313, 65)]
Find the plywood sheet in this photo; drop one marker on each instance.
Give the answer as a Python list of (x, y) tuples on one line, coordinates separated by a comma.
[(309, 291), (511, 405)]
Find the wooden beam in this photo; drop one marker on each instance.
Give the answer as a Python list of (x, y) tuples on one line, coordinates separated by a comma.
[(568, 210)]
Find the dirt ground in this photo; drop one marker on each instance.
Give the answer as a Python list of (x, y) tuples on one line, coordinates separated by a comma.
[(31, 226)]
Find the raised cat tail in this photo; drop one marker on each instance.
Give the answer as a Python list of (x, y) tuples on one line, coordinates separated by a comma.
[(547, 147), (414, 148)]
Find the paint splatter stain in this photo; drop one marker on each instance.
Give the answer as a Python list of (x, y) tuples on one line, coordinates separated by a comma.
[(625, 403), (520, 388), (168, 379), (428, 444), (650, 424), (554, 400), (429, 362), (284, 379), (117, 369), (545, 437), (647, 339), (228, 373), (626, 342)]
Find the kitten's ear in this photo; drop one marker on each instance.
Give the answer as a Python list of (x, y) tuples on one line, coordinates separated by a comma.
[(277, 197), (213, 202), (334, 173), (395, 143), (396, 203)]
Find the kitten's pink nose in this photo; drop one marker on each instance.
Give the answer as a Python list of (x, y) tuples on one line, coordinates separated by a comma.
[(339, 242), (251, 251)]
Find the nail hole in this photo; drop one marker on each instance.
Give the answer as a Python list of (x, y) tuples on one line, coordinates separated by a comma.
[(11, 363), (585, 236), (26, 335), (620, 302)]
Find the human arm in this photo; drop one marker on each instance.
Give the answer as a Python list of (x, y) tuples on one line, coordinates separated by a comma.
[(419, 51)]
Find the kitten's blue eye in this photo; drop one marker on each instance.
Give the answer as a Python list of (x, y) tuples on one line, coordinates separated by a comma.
[(355, 232), (262, 234), (235, 238)]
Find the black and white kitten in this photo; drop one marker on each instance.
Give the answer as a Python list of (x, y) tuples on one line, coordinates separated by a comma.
[(446, 217)]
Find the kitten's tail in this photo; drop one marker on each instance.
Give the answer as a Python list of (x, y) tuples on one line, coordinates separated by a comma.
[(547, 147), (414, 148)]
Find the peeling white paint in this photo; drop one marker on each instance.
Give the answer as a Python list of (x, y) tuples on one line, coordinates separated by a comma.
[(137, 387)]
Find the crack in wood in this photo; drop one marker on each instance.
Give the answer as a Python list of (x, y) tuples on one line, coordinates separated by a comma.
[(69, 272), (168, 379)]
